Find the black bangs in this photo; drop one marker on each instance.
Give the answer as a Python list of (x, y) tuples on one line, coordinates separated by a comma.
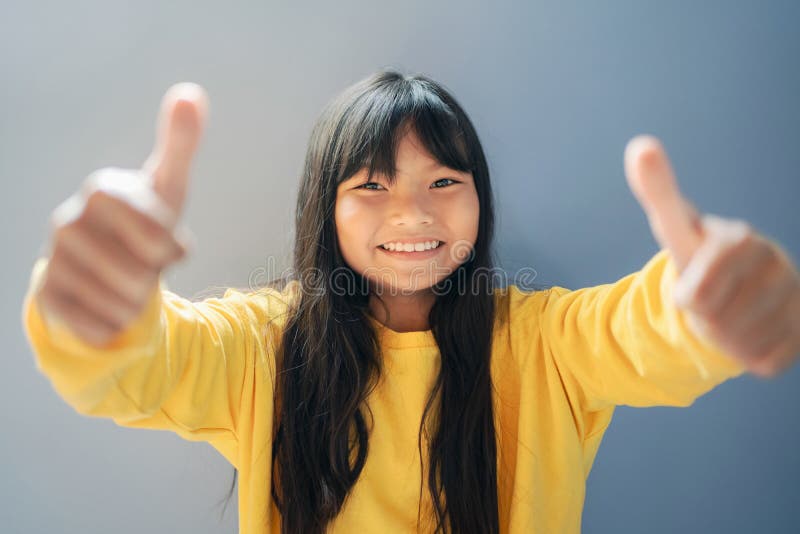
[(385, 107)]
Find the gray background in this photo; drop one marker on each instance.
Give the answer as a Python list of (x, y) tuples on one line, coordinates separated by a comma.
[(555, 91)]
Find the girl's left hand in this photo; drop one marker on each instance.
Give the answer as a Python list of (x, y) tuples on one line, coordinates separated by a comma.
[(737, 287)]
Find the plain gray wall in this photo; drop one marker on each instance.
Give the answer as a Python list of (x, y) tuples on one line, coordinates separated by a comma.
[(555, 91)]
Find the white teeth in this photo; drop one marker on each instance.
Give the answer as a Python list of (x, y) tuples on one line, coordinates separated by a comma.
[(411, 247)]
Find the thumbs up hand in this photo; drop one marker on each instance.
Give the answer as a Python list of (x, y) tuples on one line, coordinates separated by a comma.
[(180, 126), (111, 239), (738, 288)]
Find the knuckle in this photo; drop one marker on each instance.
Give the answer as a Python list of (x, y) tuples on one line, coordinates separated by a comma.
[(143, 286), (179, 253), (92, 181), (143, 274), (97, 199), (779, 260), (151, 226), (127, 290), (752, 352), (103, 178), (66, 242), (67, 211), (167, 252), (159, 254), (46, 295), (743, 225), (77, 237), (126, 293), (136, 251), (773, 269), (107, 318), (145, 253), (56, 305), (713, 324), (767, 360), (56, 276), (730, 251), (99, 317), (148, 205), (700, 297), (767, 253), (127, 316), (152, 259), (765, 354), (742, 234), (98, 334), (112, 310), (62, 232), (740, 226), (770, 369), (117, 320), (95, 184), (744, 243), (710, 220)]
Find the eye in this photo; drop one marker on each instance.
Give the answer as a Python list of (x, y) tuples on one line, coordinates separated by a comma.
[(443, 179), (364, 186)]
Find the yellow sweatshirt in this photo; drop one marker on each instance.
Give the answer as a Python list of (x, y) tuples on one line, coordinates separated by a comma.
[(560, 363)]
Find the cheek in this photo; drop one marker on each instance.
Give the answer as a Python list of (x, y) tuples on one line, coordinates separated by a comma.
[(476, 215), (352, 225), (466, 215), (344, 211)]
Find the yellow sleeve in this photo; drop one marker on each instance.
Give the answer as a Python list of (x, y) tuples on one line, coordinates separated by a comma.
[(181, 366), (627, 343)]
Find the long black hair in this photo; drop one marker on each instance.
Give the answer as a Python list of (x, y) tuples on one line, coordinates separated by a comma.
[(329, 359)]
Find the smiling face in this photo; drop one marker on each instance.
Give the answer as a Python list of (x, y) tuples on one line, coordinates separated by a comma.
[(427, 202)]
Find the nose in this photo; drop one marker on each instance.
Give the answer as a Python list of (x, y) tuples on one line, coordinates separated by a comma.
[(410, 209)]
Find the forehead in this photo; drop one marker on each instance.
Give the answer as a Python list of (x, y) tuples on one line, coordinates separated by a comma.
[(411, 158)]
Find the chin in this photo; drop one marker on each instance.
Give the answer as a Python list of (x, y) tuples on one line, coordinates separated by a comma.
[(395, 288)]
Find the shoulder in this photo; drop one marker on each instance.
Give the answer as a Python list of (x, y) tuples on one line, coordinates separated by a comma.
[(267, 298), (514, 303), (519, 314), (265, 308)]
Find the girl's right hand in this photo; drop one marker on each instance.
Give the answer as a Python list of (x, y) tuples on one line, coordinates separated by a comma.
[(110, 240)]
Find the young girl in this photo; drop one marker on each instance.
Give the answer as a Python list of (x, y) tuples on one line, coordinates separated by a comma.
[(391, 384)]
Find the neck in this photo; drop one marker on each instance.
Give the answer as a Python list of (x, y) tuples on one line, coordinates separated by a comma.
[(406, 313)]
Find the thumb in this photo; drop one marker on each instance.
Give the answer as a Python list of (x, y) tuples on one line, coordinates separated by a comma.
[(181, 118), (674, 221)]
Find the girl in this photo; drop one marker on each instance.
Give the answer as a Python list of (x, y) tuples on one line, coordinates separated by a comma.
[(391, 384)]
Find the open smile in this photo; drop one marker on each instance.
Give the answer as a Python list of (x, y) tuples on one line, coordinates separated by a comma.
[(414, 254)]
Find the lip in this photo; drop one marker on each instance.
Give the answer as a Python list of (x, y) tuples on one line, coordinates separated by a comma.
[(414, 254)]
